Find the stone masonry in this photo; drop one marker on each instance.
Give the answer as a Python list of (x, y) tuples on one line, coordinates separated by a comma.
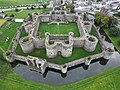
[(56, 43)]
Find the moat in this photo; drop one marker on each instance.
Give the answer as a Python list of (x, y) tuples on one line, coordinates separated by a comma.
[(74, 74)]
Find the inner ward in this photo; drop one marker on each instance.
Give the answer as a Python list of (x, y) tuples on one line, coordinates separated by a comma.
[(58, 29)]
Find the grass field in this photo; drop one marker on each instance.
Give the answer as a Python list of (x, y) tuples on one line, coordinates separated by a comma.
[(24, 13), (61, 29), (8, 30), (8, 13), (17, 2), (114, 40), (2, 22)]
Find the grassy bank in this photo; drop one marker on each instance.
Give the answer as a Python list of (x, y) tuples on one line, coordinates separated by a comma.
[(108, 80), (114, 39), (2, 22), (24, 13)]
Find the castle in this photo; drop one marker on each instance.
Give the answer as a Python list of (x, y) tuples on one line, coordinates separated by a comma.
[(55, 44)]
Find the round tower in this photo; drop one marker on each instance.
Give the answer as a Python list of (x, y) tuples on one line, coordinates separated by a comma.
[(9, 56), (51, 46), (108, 53), (27, 44), (67, 47), (90, 43)]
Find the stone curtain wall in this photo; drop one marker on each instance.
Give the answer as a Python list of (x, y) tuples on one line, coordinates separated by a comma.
[(32, 41)]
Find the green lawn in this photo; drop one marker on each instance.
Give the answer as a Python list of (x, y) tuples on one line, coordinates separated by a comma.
[(8, 32), (4, 3), (2, 21), (114, 40), (24, 13), (10, 12), (61, 29)]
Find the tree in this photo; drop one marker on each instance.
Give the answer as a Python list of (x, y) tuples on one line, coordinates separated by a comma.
[(44, 6), (39, 7), (119, 42), (27, 8), (70, 6), (118, 14), (12, 15), (113, 22), (104, 20), (114, 31), (2, 12), (98, 19), (16, 9), (32, 7)]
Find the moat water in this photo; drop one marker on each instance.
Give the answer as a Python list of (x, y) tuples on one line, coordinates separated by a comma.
[(74, 74)]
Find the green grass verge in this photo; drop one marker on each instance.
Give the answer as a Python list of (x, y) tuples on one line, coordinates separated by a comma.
[(5, 3), (108, 80), (8, 13), (2, 22), (8, 30), (114, 40), (61, 29), (24, 13)]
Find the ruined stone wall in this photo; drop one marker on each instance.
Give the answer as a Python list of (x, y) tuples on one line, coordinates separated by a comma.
[(41, 64), (36, 26), (39, 42), (80, 24), (27, 26), (78, 42), (45, 18), (88, 26), (71, 17)]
